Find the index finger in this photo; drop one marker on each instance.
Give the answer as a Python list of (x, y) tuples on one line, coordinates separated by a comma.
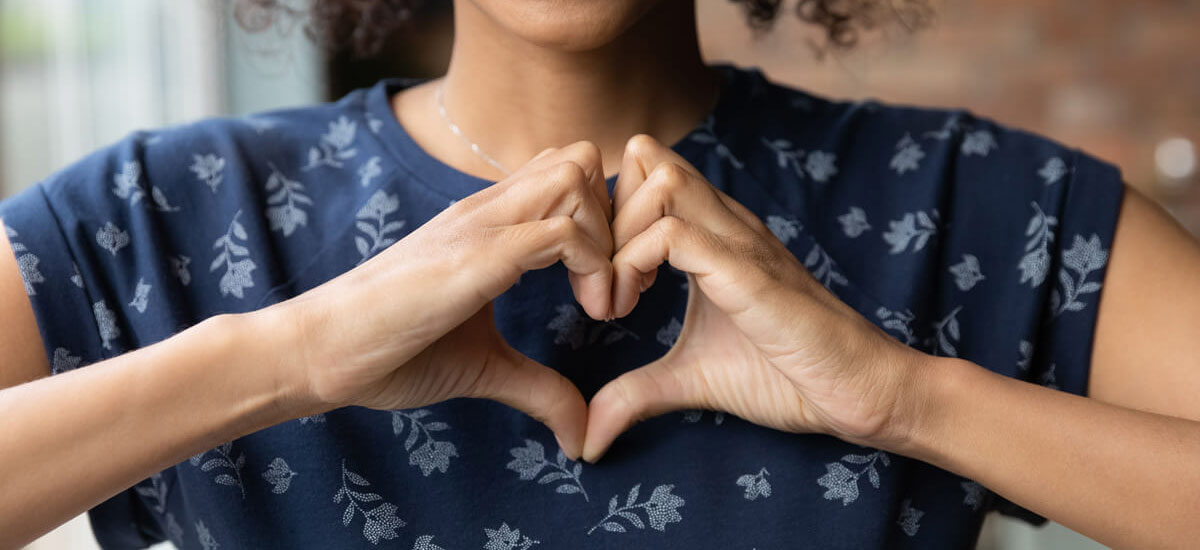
[(642, 154)]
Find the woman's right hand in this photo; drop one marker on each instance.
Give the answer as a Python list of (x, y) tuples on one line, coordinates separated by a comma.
[(413, 325)]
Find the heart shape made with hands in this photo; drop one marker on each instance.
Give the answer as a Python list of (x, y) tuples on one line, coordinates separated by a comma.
[(761, 338)]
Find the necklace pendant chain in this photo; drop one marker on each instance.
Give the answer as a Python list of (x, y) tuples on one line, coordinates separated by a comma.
[(475, 148)]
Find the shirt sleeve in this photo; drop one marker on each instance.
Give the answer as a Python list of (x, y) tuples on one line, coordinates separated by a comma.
[(73, 238), (1068, 237)]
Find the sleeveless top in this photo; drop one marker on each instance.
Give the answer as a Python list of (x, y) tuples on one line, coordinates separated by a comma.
[(957, 235)]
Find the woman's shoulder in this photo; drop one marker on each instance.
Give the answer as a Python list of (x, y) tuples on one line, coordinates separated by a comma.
[(207, 214), (939, 215), (873, 142)]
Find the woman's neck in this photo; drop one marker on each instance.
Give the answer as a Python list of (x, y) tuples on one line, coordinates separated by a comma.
[(514, 97)]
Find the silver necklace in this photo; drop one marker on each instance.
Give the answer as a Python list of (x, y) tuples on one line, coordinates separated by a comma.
[(441, 103)]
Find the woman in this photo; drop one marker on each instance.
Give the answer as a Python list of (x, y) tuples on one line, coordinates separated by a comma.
[(278, 312)]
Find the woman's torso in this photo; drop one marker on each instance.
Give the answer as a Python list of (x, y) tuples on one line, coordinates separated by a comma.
[(955, 235)]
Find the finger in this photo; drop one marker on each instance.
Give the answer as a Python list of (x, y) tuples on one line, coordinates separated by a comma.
[(651, 390), (686, 247), (539, 391), (582, 153), (672, 190), (585, 154), (643, 154), (541, 243)]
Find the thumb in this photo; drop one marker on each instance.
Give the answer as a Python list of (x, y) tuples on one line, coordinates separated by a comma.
[(653, 389), (539, 391)]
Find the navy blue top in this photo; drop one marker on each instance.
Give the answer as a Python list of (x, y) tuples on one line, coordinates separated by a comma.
[(956, 235)]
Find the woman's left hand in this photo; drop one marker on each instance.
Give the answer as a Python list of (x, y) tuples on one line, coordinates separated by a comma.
[(762, 339)]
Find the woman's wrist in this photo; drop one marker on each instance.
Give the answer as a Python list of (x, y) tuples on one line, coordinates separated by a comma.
[(936, 388), (269, 341)]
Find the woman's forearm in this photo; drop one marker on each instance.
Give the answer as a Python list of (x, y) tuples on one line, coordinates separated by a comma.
[(70, 441), (1123, 477)]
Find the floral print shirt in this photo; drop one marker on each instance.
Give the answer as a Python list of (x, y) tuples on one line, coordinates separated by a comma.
[(956, 235)]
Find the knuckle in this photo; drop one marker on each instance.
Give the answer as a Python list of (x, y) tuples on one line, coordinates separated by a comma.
[(640, 144), (670, 227), (586, 151), (669, 179), (562, 228), (570, 173)]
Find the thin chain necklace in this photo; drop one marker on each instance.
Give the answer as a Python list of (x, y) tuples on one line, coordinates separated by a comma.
[(475, 148)]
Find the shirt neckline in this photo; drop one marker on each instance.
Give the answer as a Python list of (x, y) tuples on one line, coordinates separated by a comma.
[(456, 184)]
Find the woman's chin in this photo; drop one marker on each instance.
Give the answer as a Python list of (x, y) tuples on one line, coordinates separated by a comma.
[(566, 25)]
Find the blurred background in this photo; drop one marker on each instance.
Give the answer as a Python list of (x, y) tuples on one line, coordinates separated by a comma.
[(1118, 79)]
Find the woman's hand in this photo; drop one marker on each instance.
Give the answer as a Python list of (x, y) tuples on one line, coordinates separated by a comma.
[(414, 325), (761, 338)]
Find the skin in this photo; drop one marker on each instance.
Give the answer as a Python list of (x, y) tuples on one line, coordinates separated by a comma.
[(761, 338)]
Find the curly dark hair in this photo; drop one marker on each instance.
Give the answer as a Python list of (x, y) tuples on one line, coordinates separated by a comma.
[(361, 27)]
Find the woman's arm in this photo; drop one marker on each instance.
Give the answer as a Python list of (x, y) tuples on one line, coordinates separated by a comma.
[(1123, 477), (70, 441), (1126, 478), (410, 327)]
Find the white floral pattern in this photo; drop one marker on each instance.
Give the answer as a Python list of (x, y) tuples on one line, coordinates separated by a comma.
[(784, 229), (818, 165), (223, 460), (572, 327), (854, 222), (379, 520), (1039, 234), (1025, 348), (661, 509), (967, 273), (841, 483), (755, 485), (238, 272), (112, 238), (285, 205), (529, 462), (946, 333), (899, 322), (373, 223), (668, 334), (179, 266), (425, 542), (910, 518), (127, 184), (973, 494), (908, 155), (207, 542), (1084, 257), (507, 538), (1053, 170), (822, 267), (914, 228), (27, 263), (63, 361), (141, 296), (431, 454), (209, 169), (279, 475), (335, 147), (369, 171), (695, 416), (106, 322), (978, 142)]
